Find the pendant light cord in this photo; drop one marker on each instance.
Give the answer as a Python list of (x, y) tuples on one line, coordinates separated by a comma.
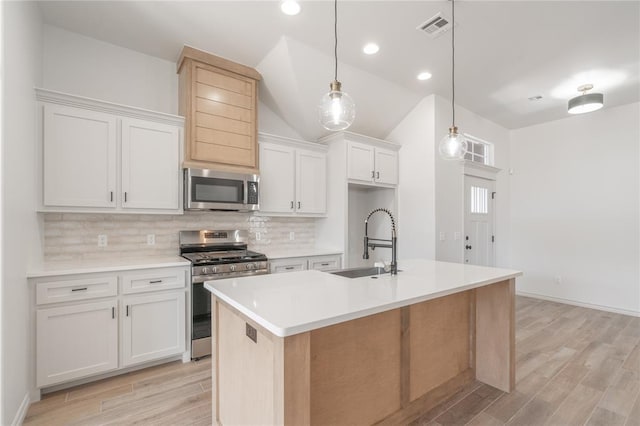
[(335, 33), (453, 64)]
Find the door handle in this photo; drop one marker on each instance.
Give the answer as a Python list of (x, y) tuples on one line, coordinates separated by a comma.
[(468, 247)]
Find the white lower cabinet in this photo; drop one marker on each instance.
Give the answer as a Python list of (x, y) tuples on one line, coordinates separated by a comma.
[(153, 327), (319, 263), (76, 341), (91, 327)]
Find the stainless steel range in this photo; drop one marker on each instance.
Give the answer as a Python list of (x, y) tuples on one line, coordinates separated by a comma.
[(214, 255)]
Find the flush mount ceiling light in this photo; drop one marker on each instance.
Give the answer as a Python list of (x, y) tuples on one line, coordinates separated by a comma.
[(337, 110), (425, 75), (586, 102), (290, 7), (371, 48), (454, 145)]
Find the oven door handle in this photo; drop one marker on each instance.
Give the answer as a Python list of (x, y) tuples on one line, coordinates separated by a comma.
[(245, 196)]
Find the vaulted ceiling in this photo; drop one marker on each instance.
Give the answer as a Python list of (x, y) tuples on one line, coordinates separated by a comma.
[(506, 52)]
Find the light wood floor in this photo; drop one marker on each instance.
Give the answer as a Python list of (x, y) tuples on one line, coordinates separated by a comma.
[(574, 366)]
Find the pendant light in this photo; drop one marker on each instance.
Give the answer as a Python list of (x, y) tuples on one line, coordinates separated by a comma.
[(586, 102), (454, 145), (337, 110)]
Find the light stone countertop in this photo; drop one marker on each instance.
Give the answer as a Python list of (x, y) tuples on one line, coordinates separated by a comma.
[(296, 302), (49, 269), (284, 254)]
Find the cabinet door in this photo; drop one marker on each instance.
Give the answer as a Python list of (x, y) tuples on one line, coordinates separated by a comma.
[(288, 265), (75, 341), (150, 165), (79, 154), (386, 166), (276, 178), (153, 327), (325, 263), (360, 164), (311, 182)]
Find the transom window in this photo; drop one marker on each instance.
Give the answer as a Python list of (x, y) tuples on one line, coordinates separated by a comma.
[(479, 151)]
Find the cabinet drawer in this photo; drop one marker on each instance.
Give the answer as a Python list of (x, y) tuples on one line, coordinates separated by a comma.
[(288, 265), (75, 289), (325, 263), (153, 280)]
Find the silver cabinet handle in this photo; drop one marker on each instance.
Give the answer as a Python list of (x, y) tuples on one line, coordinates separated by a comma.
[(155, 281), (113, 312), (111, 196), (288, 268), (377, 175), (127, 310), (299, 204), (324, 264), (292, 205), (373, 174), (79, 289), (125, 197)]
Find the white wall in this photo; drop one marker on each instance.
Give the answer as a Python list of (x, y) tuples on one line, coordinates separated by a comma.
[(76, 64), (431, 190), (22, 38), (575, 214), (416, 189), (449, 183)]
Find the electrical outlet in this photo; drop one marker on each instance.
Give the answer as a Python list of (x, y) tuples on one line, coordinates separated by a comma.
[(102, 240), (252, 333), (457, 235), (258, 236), (292, 235), (443, 236), (151, 239)]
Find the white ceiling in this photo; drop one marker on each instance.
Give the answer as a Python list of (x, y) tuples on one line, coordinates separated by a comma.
[(506, 51)]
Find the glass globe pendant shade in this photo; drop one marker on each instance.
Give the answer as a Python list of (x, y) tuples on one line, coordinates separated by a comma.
[(453, 146), (337, 109)]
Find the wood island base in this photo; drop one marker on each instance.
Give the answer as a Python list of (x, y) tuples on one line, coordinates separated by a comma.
[(385, 368)]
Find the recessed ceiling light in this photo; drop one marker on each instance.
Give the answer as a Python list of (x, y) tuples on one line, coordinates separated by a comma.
[(424, 75), (370, 48), (290, 7)]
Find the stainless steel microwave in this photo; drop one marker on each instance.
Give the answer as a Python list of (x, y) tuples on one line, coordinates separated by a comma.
[(213, 190)]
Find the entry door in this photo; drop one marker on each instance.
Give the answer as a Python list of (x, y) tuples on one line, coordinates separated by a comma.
[(478, 221)]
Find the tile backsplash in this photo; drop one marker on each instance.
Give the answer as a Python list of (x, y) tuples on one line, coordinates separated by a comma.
[(74, 236)]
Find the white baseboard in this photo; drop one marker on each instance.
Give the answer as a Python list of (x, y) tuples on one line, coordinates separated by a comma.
[(581, 304), (22, 411)]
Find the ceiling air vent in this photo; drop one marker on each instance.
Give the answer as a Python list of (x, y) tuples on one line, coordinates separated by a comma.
[(435, 25)]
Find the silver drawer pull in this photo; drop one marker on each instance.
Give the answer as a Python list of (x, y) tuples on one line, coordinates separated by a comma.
[(79, 289), (325, 264), (155, 282), (289, 268)]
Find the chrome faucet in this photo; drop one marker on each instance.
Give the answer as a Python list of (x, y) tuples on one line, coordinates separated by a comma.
[(375, 242)]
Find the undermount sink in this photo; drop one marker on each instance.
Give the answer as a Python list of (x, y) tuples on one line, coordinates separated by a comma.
[(360, 272)]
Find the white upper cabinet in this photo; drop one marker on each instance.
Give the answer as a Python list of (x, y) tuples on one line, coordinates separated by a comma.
[(311, 182), (101, 157), (80, 152), (293, 177), (277, 186), (150, 165), (372, 164), (386, 165)]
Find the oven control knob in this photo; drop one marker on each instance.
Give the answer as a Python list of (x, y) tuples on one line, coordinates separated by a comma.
[(214, 269), (204, 270), (250, 266), (232, 268)]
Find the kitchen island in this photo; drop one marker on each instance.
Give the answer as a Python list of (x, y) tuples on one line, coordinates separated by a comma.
[(315, 348)]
